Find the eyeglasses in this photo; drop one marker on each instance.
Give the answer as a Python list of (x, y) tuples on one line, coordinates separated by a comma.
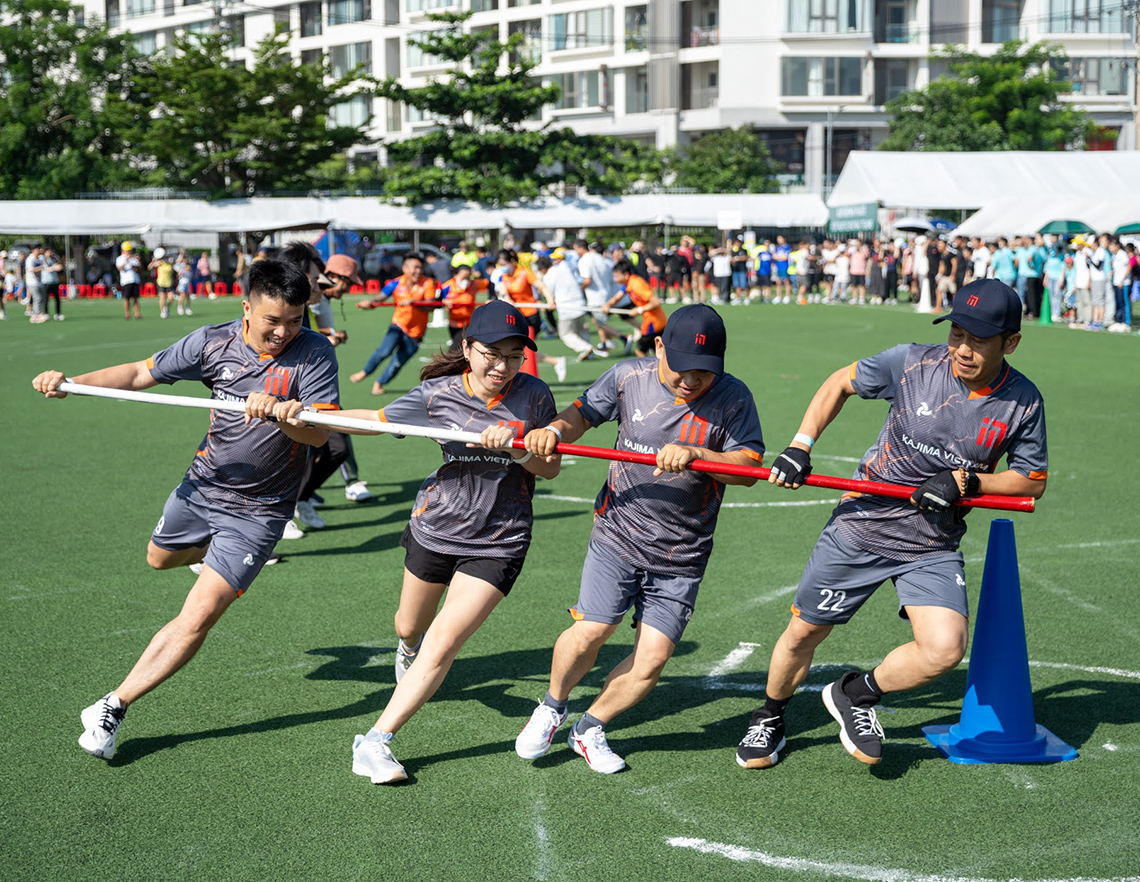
[(493, 357)]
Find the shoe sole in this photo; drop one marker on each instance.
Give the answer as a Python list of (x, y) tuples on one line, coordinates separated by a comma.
[(393, 778), (575, 745), (848, 744), (763, 762), (97, 752)]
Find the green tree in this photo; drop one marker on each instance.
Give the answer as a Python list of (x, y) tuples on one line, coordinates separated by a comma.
[(730, 161), (487, 146), (1007, 101), (61, 87), (203, 123)]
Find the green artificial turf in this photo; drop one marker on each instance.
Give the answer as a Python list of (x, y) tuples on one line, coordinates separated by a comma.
[(239, 767)]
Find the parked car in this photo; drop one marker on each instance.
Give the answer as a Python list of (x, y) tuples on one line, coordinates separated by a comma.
[(372, 265)]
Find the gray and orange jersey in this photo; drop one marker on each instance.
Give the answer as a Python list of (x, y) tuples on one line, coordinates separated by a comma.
[(665, 524), (936, 423), (478, 503), (254, 469)]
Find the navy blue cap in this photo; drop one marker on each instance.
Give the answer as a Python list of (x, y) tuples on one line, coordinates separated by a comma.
[(695, 340), (497, 320), (985, 308)]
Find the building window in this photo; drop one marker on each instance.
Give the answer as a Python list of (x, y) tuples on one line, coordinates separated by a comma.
[(636, 90), (530, 49), (581, 30), (786, 146), (700, 23), (700, 85), (355, 112), (282, 17), (312, 56), (234, 27), (511, 4), (347, 11), (1001, 20), (1086, 17), (484, 5), (1096, 76), (579, 90), (894, 22), (346, 59), (827, 16), (892, 78), (135, 8), (417, 57), (146, 44), (311, 19), (111, 13), (821, 77), (427, 5), (636, 28)]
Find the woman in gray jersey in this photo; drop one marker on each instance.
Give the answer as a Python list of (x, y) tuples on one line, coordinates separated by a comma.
[(471, 525)]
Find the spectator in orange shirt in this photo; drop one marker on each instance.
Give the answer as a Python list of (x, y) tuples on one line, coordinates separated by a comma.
[(408, 324), (459, 297), (517, 286), (646, 304)]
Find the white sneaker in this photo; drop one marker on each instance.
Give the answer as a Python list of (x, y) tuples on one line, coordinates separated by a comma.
[(585, 355), (181, 311), (101, 721), (165, 313), (196, 568), (560, 368), (405, 656), (592, 747), (372, 758), (357, 492), (307, 515), (534, 739), (292, 531), (59, 317), (188, 312)]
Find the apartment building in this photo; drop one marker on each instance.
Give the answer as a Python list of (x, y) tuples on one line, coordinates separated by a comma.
[(811, 76)]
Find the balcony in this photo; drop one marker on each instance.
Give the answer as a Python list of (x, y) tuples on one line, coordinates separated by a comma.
[(701, 98), (897, 33), (700, 23), (709, 36)]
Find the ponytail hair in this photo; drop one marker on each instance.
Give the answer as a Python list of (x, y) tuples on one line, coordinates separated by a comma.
[(449, 363)]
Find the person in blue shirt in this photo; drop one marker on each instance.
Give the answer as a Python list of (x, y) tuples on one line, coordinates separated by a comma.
[(1055, 279), (1004, 263)]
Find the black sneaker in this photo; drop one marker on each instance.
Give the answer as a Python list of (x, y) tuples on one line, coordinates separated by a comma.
[(760, 748), (859, 728)]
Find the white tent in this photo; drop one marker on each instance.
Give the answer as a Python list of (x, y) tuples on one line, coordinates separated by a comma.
[(1015, 217), (969, 181), (97, 217)]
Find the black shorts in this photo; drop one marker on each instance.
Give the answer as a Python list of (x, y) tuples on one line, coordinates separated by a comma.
[(130, 292), (431, 566), (534, 321), (646, 343), (858, 279)]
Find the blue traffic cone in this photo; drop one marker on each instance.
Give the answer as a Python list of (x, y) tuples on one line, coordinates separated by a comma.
[(997, 723)]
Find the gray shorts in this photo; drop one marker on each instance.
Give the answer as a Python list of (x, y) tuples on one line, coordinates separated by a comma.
[(611, 587), (839, 578), (238, 545)]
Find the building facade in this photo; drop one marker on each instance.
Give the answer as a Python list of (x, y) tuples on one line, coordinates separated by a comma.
[(811, 76)]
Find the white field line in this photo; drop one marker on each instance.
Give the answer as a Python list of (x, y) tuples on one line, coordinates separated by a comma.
[(669, 785), (542, 870), (1107, 544), (1062, 666), (733, 660), (843, 870), (1064, 593), (94, 346)]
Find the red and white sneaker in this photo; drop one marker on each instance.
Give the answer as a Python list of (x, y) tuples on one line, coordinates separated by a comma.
[(534, 739), (591, 745)]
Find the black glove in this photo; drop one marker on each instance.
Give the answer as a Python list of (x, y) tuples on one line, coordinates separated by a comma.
[(937, 493), (792, 466)]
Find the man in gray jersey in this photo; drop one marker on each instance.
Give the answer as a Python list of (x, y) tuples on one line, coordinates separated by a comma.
[(237, 495), (956, 410), (653, 528)]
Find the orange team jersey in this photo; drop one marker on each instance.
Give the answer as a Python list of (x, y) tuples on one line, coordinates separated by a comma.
[(460, 304), (519, 289), (653, 320), (413, 320)]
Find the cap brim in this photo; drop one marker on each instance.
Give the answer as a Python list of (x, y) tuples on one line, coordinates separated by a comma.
[(971, 325), (492, 338), (694, 361)]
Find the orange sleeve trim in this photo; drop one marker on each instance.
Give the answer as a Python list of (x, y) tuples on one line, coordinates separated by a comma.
[(380, 415), (795, 611), (575, 615), (1037, 476), (150, 363), (322, 405), (578, 402), (851, 373), (752, 454)]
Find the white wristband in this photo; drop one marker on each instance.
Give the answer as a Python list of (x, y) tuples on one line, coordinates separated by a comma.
[(554, 430), (523, 459), (801, 438)]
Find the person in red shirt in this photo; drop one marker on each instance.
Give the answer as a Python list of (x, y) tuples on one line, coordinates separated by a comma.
[(517, 286), (459, 297), (646, 304), (409, 324)]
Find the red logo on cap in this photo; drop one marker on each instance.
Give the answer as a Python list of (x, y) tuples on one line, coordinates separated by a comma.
[(510, 319), (700, 341), (972, 300)]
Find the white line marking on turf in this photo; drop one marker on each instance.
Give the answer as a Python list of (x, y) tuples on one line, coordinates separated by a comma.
[(1098, 544), (669, 785), (1116, 672), (800, 502), (1061, 592), (94, 346), (826, 868), (1108, 745), (733, 660), (542, 871), (45, 594)]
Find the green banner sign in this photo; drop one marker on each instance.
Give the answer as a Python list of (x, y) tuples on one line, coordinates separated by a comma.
[(861, 218)]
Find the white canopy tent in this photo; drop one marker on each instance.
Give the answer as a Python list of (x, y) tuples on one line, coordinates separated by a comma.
[(969, 181), (96, 217), (1013, 217)]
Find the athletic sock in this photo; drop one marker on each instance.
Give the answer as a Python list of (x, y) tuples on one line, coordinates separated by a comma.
[(551, 701), (412, 650), (774, 707), (588, 722), (863, 690)]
